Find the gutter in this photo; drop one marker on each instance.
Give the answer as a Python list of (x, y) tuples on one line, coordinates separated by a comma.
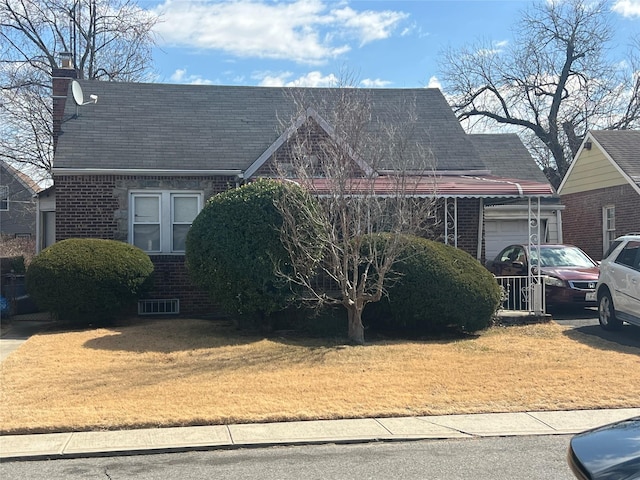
[(146, 172)]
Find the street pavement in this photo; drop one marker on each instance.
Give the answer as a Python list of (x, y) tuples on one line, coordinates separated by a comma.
[(177, 439)]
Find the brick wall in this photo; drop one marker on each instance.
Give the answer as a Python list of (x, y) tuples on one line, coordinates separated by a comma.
[(93, 206), (96, 206), (582, 216), (468, 212)]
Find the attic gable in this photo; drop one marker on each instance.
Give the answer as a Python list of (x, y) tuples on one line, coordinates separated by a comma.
[(309, 131), (605, 159)]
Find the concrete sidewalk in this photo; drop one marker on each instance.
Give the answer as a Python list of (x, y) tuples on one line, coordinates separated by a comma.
[(128, 442)]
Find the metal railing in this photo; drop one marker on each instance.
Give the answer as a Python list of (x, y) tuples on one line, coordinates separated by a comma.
[(522, 293)]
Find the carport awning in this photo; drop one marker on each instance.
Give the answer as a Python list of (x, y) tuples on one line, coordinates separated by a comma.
[(440, 186)]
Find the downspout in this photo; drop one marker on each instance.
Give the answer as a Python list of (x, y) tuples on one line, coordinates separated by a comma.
[(38, 226), (559, 220), (480, 230)]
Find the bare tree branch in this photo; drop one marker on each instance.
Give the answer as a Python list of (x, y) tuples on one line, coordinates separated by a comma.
[(109, 39), (554, 82), (340, 152)]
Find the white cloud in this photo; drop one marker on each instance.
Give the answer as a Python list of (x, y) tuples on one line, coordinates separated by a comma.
[(627, 8), (434, 83), (180, 76), (375, 83), (304, 31), (311, 79), (369, 25)]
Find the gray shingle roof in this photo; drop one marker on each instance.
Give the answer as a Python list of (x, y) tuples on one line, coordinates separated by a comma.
[(624, 148), (200, 127), (506, 156)]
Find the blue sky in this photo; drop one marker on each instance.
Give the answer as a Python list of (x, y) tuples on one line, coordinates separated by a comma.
[(381, 43)]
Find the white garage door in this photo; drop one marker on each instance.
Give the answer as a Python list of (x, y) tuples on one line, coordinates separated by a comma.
[(501, 233)]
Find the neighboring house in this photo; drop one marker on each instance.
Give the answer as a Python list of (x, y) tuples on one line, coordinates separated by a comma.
[(17, 203), (601, 190), (138, 165)]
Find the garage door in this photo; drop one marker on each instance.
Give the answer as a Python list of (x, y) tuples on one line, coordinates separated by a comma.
[(500, 233)]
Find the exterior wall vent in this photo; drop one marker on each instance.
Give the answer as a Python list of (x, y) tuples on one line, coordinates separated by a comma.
[(165, 306)]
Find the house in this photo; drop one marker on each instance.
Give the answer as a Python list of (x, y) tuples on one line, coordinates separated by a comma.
[(138, 164), (509, 222), (17, 203), (601, 190)]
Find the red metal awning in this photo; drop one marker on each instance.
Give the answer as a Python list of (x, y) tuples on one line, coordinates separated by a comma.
[(439, 186)]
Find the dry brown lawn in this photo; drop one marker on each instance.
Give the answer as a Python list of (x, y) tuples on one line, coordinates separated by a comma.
[(194, 372)]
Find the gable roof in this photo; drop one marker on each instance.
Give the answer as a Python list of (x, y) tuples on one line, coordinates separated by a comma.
[(27, 182), (623, 146), (619, 147), (165, 127)]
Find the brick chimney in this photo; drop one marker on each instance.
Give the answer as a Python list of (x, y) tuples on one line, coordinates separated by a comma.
[(61, 77)]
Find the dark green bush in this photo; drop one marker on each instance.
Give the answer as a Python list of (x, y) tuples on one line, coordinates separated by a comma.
[(233, 246), (85, 280), (440, 287)]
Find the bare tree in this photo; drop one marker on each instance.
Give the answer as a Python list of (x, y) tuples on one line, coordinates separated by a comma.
[(552, 84), (366, 170), (107, 40)]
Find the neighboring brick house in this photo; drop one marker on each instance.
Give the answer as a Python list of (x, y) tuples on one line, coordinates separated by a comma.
[(601, 190), (17, 203), (138, 165)]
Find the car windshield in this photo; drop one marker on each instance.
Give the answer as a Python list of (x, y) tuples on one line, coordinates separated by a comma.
[(562, 257)]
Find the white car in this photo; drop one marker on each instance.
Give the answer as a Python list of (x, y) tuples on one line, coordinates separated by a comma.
[(618, 288)]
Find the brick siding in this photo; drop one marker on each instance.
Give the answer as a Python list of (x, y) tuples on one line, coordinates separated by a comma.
[(582, 216), (96, 206)]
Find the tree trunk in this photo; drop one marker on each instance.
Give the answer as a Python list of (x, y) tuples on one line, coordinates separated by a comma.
[(356, 329)]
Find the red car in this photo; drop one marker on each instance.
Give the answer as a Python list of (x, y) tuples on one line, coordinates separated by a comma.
[(570, 275)]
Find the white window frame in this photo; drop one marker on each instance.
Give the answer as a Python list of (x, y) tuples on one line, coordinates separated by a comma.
[(4, 198), (166, 215), (608, 226)]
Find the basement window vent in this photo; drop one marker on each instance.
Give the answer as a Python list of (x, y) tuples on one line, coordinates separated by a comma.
[(165, 306)]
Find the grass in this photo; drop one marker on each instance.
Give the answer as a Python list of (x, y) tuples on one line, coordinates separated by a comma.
[(194, 372)]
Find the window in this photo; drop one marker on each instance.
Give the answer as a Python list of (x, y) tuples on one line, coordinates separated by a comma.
[(159, 221), (4, 197), (608, 227), (630, 255)]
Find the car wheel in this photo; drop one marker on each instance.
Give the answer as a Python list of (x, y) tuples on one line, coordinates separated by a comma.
[(607, 314)]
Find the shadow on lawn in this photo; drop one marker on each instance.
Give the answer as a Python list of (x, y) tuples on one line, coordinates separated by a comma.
[(180, 335), (169, 335), (625, 340)]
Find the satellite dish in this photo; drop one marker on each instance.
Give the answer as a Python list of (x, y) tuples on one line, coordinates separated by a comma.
[(76, 90)]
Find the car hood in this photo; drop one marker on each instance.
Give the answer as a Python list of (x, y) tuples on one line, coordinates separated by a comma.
[(572, 273), (610, 452)]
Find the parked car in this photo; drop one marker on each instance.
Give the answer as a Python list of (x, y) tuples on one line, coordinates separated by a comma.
[(618, 286), (570, 275), (607, 453)]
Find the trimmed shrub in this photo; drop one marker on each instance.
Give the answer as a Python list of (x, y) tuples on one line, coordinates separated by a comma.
[(86, 280), (440, 287), (233, 247)]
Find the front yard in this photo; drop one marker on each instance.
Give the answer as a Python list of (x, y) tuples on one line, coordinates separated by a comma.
[(193, 372)]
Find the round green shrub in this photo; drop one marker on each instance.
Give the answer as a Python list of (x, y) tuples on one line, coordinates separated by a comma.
[(439, 287), (234, 244), (86, 280)]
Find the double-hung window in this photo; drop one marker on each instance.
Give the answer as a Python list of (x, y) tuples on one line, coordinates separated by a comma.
[(159, 220), (608, 226)]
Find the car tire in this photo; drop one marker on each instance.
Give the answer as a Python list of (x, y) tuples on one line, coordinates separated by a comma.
[(607, 313)]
